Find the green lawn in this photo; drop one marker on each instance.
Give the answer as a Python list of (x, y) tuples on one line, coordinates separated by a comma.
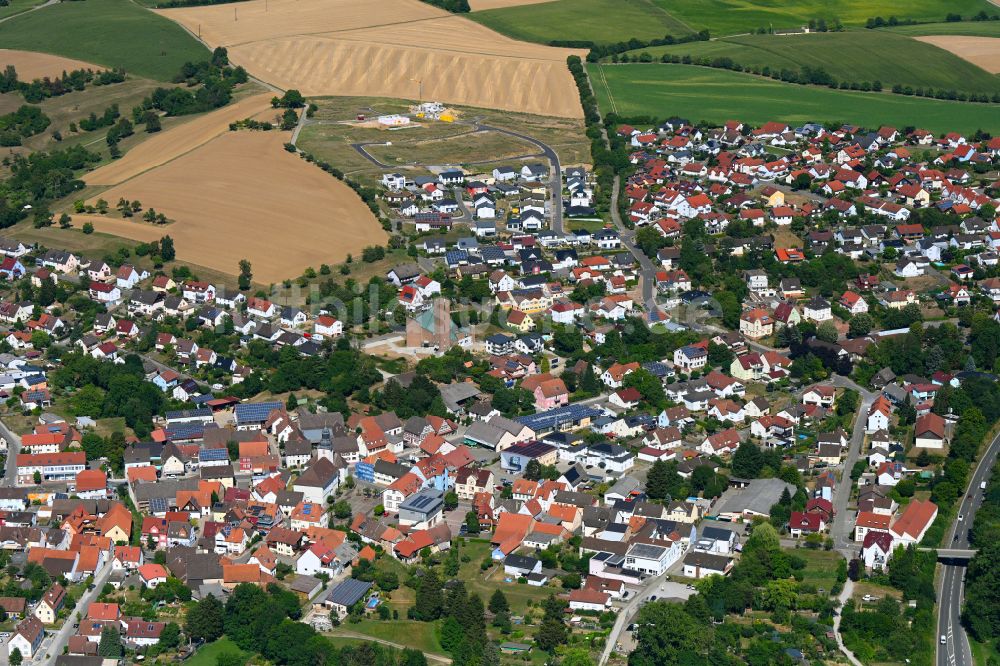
[(606, 21), (410, 633), (18, 6), (729, 17), (518, 595), (969, 28), (847, 56), (113, 33), (206, 656), (714, 96), (821, 567), (600, 21)]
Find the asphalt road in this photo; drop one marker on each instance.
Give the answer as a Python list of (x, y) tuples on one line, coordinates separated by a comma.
[(840, 530), (13, 448), (956, 651), (555, 174), (56, 642)]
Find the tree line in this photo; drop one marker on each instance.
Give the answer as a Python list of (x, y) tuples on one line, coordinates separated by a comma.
[(215, 80), (265, 622), (26, 122), (40, 89)]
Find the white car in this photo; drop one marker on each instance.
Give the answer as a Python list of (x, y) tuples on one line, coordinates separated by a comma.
[(944, 639)]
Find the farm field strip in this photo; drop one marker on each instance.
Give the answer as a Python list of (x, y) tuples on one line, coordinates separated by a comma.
[(341, 47), (32, 65), (110, 33), (173, 143), (717, 96), (983, 52), (242, 196), (847, 57)]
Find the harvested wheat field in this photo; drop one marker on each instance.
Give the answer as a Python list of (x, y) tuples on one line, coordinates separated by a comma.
[(342, 47), (481, 5), (173, 143), (981, 51), (242, 196), (31, 65)]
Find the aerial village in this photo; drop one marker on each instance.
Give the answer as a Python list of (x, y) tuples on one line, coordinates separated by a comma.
[(783, 325)]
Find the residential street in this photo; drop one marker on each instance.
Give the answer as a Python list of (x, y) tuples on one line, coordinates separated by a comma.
[(840, 530), (13, 448), (53, 647)]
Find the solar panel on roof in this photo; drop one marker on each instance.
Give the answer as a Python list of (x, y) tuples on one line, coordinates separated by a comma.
[(255, 411), (555, 417), (213, 454), (158, 505)]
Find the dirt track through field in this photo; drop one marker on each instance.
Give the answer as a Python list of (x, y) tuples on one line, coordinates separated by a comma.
[(242, 196), (406, 49), (31, 65), (177, 141), (981, 51)]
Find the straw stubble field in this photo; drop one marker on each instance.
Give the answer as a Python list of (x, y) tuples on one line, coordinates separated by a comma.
[(242, 196), (406, 49), (31, 65), (981, 51)]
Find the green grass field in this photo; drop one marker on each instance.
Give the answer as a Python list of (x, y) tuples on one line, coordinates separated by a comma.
[(821, 567), (847, 56), (729, 17), (18, 6), (966, 28), (113, 33), (206, 656), (714, 96), (606, 21), (600, 21), (409, 633)]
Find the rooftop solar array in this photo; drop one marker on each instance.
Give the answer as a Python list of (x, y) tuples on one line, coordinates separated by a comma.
[(556, 417), (189, 413), (211, 455), (158, 505), (185, 431), (254, 412)]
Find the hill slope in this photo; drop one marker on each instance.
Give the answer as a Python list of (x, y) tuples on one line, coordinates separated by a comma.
[(715, 96), (113, 33), (853, 56)]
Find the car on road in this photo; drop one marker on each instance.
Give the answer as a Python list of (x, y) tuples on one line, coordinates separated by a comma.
[(982, 486), (960, 517), (944, 639)]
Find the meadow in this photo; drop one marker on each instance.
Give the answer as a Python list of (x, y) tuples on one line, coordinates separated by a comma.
[(607, 21), (112, 33), (728, 17), (847, 56), (967, 28), (714, 96), (18, 6), (599, 21)]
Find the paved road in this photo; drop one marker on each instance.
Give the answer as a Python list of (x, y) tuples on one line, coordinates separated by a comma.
[(58, 641), (626, 613), (957, 651), (555, 174), (555, 169), (840, 530), (13, 448)]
